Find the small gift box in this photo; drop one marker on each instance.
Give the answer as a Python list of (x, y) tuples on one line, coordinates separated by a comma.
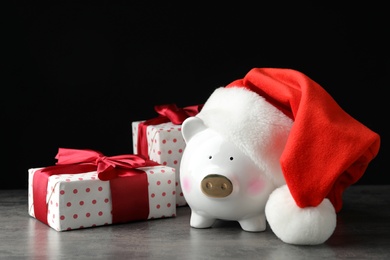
[(160, 139), (87, 189)]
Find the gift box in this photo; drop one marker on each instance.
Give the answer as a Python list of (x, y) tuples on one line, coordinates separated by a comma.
[(87, 189), (160, 139)]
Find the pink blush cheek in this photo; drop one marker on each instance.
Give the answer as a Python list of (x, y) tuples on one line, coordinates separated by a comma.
[(255, 186), (186, 184)]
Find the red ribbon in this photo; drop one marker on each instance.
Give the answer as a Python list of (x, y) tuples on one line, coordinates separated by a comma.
[(167, 113), (129, 195)]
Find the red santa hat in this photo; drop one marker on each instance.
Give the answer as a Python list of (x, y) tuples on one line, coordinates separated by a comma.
[(299, 136)]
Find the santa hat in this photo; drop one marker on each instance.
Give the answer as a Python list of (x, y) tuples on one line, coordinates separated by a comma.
[(299, 136)]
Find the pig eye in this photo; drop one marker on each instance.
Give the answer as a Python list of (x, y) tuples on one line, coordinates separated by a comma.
[(231, 158), (210, 157)]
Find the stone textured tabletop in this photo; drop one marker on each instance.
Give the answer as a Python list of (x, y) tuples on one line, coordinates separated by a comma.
[(362, 232)]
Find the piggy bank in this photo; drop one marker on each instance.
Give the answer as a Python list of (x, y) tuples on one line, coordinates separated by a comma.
[(221, 182)]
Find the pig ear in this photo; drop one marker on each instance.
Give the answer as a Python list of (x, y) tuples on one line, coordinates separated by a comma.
[(191, 126)]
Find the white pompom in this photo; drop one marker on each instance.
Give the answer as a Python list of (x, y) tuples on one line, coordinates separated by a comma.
[(299, 226)]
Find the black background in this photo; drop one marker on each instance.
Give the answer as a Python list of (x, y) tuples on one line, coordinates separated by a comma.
[(76, 74)]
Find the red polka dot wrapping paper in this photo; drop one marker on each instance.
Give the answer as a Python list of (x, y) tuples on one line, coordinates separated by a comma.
[(165, 146), (77, 201)]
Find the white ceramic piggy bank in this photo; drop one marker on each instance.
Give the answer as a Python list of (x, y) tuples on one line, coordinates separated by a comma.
[(219, 181)]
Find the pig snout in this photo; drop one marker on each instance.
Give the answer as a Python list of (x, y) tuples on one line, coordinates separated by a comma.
[(216, 186)]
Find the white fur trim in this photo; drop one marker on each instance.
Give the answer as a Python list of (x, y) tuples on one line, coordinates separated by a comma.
[(299, 226), (255, 126)]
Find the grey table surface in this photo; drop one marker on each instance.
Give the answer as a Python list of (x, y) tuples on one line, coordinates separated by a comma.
[(362, 232)]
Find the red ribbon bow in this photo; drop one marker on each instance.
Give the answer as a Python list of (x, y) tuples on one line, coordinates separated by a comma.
[(113, 168), (176, 115), (106, 167), (167, 113)]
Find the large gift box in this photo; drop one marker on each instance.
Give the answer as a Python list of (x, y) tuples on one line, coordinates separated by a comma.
[(160, 139), (87, 189)]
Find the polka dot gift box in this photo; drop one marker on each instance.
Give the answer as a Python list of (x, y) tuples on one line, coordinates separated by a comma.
[(160, 139), (86, 189)]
